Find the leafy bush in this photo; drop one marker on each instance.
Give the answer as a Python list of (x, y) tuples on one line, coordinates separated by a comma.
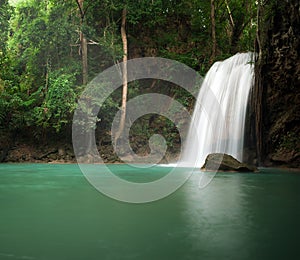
[(59, 102)]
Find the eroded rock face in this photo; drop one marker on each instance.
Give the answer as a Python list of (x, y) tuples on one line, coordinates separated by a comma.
[(286, 156), (226, 162), (277, 84)]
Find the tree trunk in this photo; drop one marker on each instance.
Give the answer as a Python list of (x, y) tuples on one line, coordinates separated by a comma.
[(258, 91), (84, 57), (213, 31), (235, 30), (83, 44), (124, 75), (230, 14)]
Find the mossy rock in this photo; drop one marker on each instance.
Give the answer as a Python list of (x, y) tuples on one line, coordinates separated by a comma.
[(226, 162)]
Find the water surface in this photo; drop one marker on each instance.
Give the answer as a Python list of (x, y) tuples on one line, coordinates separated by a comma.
[(52, 212)]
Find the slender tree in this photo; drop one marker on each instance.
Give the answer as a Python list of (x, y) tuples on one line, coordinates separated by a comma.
[(239, 17), (124, 74), (213, 31), (83, 43)]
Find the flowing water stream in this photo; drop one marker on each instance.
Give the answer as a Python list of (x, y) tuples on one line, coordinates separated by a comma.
[(220, 111)]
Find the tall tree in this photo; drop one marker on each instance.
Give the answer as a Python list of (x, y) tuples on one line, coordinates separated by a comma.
[(83, 43), (213, 31), (240, 15), (124, 75)]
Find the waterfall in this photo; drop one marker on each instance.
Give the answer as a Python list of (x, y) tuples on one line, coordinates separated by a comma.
[(219, 116)]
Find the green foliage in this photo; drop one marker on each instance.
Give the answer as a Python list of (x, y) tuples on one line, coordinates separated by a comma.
[(239, 36), (27, 45), (148, 125), (5, 13), (40, 41), (59, 102), (16, 110), (290, 141), (40, 62)]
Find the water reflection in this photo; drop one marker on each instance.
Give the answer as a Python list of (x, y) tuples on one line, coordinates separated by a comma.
[(216, 217), (244, 216)]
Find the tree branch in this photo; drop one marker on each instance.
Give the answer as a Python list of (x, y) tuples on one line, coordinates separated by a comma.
[(91, 42), (230, 14), (82, 13)]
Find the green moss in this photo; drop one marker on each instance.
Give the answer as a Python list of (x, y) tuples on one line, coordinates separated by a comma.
[(290, 141)]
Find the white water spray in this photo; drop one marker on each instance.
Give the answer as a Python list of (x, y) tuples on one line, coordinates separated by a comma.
[(220, 127)]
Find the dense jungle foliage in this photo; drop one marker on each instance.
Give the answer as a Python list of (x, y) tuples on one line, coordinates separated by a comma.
[(51, 49)]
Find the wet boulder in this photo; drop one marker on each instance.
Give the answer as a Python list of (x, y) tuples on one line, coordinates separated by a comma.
[(226, 162)]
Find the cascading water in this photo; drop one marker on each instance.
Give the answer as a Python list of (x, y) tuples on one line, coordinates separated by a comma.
[(219, 116)]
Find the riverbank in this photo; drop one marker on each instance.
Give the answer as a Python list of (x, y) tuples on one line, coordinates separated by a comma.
[(60, 153)]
